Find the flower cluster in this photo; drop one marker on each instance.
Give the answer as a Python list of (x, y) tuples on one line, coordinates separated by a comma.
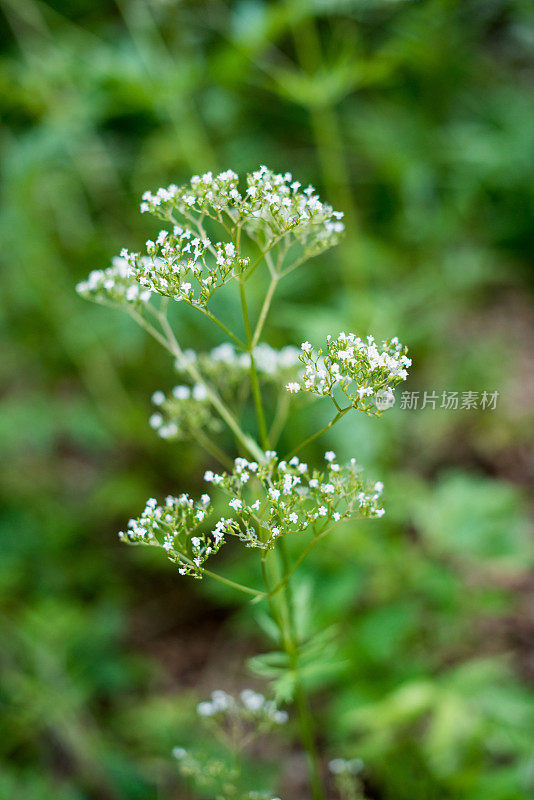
[(216, 776), (358, 368), (340, 765), (236, 722), (185, 266), (347, 778), (207, 194), (182, 413), (271, 204), (227, 367), (114, 286), (179, 527), (250, 707), (275, 498), (176, 527), (208, 773), (267, 500)]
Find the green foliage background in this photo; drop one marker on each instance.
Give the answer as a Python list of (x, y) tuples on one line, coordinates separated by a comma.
[(417, 119)]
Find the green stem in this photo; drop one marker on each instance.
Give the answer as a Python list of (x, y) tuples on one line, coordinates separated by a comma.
[(300, 559), (260, 414), (223, 327), (169, 343), (316, 435), (213, 397), (213, 450), (303, 705), (280, 416), (283, 618), (247, 589), (264, 310)]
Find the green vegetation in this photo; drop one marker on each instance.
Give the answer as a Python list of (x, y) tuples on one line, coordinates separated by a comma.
[(416, 119)]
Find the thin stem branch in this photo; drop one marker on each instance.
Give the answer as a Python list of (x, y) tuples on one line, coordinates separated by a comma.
[(270, 264), (246, 589), (260, 414), (264, 310), (299, 561), (263, 254), (258, 594), (213, 397), (223, 327), (151, 330), (341, 413), (213, 450), (280, 416), (169, 343)]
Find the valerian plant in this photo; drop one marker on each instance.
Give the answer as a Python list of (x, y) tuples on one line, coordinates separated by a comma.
[(236, 723), (218, 231)]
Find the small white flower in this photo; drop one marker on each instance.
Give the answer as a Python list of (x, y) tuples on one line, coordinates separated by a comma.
[(337, 766), (158, 398), (206, 709), (181, 392), (280, 717), (330, 455), (293, 387), (199, 392)]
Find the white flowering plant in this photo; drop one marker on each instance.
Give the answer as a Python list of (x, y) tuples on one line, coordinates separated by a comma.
[(219, 231), (235, 723)]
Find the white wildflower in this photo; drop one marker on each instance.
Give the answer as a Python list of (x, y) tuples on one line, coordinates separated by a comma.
[(358, 369)]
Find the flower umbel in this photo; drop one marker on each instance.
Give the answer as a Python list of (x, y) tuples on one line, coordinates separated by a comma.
[(357, 368), (269, 206), (183, 413), (185, 266), (249, 708), (236, 722), (177, 527), (276, 498), (115, 285)]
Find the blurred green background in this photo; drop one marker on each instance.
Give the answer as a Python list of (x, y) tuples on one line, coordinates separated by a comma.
[(417, 119)]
